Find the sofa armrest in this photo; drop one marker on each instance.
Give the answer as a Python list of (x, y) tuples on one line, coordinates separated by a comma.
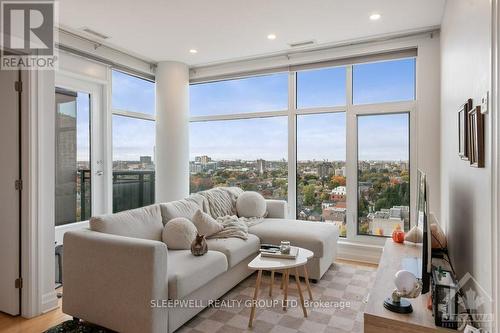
[(112, 280), (276, 209)]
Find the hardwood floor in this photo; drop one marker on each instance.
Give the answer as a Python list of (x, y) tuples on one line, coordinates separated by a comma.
[(9, 324)]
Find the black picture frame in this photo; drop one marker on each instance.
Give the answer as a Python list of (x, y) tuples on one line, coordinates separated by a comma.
[(476, 137), (463, 130)]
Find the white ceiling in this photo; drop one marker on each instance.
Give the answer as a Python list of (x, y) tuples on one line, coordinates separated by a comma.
[(224, 30)]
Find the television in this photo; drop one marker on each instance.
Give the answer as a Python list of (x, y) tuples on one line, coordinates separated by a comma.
[(422, 218)]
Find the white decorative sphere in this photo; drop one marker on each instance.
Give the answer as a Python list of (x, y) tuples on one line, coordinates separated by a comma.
[(251, 204), (179, 233), (405, 281)]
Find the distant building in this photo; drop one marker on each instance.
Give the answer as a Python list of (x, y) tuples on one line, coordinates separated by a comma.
[(326, 204), (323, 170), (338, 194), (261, 166), (334, 214), (195, 167), (384, 221), (204, 159), (340, 172), (146, 160)]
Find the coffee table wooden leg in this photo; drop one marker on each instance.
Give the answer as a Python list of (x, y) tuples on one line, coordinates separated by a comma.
[(297, 279), (271, 286), (282, 280), (285, 291), (255, 295), (306, 277)]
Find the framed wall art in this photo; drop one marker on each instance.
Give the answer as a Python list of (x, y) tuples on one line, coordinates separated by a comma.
[(476, 137), (463, 135)]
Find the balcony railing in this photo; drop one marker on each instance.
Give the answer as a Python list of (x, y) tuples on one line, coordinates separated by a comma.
[(131, 189)]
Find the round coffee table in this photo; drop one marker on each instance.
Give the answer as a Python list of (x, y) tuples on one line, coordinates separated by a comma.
[(261, 263)]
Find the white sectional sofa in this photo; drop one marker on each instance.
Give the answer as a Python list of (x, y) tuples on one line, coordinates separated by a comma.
[(119, 273)]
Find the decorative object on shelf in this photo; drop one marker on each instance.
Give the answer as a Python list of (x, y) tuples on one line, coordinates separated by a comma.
[(285, 247), (414, 235), (438, 237), (407, 286), (398, 235), (476, 137), (463, 147), (199, 246), (444, 298)]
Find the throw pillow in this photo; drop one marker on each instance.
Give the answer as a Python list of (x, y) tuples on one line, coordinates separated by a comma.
[(206, 224), (179, 233), (251, 204), (180, 208)]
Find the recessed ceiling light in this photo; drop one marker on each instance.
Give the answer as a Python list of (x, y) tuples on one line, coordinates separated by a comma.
[(375, 16), (193, 51), (271, 36)]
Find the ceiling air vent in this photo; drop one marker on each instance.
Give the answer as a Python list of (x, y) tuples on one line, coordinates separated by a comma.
[(95, 33), (303, 43)]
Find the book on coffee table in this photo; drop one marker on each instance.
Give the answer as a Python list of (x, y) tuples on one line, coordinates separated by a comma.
[(277, 254)]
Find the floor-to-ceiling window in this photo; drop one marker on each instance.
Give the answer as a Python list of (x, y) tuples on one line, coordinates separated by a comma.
[(383, 145), (321, 145), (239, 135), (133, 137), (333, 140)]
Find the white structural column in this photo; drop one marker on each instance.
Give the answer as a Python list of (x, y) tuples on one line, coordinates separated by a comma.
[(172, 131)]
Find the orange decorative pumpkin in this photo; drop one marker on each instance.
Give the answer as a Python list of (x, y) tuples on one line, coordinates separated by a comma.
[(398, 236)]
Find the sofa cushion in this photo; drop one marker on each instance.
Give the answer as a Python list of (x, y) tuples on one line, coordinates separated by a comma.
[(186, 272), (180, 208), (235, 249), (144, 222), (314, 236), (179, 234)]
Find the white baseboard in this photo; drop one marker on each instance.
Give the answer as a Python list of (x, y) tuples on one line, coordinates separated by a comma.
[(49, 302), (359, 252)]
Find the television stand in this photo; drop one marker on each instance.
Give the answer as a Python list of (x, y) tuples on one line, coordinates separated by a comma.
[(378, 319)]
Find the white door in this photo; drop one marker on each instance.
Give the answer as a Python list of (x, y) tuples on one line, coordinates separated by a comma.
[(9, 195)]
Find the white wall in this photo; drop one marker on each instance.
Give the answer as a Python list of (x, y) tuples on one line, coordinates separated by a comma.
[(466, 197)]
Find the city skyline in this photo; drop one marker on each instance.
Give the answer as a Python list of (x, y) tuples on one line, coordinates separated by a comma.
[(267, 138)]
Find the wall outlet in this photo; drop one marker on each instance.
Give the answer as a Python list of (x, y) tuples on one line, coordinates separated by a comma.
[(484, 103), (471, 329)]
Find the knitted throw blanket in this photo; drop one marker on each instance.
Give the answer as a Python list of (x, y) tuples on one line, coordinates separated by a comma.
[(235, 227), (220, 201)]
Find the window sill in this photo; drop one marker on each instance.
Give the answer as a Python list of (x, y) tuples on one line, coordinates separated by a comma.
[(357, 251)]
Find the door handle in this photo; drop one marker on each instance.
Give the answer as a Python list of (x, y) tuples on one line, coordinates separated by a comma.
[(99, 173)]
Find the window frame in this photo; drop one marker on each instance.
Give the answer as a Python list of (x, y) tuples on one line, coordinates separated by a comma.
[(123, 113), (352, 111)]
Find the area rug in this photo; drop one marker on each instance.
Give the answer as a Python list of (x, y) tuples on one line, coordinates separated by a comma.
[(71, 326), (338, 303)]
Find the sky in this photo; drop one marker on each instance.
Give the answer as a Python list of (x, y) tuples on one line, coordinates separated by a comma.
[(319, 136)]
